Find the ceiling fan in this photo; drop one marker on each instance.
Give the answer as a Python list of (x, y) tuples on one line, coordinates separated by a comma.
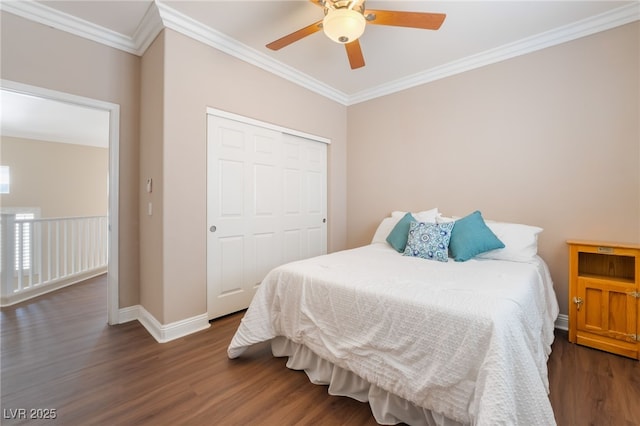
[(345, 20)]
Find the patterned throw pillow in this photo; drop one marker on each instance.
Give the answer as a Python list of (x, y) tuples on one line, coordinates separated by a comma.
[(429, 240)]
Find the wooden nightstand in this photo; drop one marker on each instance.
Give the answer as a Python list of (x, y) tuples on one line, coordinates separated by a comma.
[(604, 296)]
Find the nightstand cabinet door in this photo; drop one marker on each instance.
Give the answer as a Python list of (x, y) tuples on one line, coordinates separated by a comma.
[(604, 296), (607, 318)]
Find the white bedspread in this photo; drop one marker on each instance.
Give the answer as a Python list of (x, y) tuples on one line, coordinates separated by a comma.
[(467, 340)]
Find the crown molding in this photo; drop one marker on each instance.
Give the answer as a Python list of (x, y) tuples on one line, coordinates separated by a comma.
[(191, 28), (161, 16), (158, 17), (605, 21), (46, 15), (148, 29)]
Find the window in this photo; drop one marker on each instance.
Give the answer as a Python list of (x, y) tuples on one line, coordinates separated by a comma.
[(25, 236), (24, 232), (4, 179)]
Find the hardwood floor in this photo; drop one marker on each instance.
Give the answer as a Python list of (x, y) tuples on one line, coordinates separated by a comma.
[(592, 387), (59, 356)]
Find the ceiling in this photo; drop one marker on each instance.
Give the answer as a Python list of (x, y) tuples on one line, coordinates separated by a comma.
[(474, 34), (390, 53), (31, 117)]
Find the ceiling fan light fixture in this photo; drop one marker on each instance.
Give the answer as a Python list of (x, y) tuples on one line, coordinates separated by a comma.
[(343, 25)]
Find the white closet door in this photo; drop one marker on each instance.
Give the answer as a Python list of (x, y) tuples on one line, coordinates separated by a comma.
[(266, 205), (244, 211), (305, 198)]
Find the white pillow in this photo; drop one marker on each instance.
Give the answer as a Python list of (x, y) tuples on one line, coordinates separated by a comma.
[(384, 229), (423, 216), (444, 219), (388, 223), (520, 241)]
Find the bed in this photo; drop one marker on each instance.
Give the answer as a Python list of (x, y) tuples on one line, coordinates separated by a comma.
[(423, 341)]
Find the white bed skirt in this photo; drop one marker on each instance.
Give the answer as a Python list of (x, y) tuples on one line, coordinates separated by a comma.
[(387, 408)]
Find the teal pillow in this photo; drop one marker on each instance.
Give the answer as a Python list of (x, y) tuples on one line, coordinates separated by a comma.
[(398, 235), (471, 236), (429, 240)]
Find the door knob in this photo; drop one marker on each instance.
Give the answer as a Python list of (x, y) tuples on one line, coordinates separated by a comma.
[(212, 228), (578, 301)]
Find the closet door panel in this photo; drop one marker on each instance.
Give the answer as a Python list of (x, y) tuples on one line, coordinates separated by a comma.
[(266, 205), (242, 211), (304, 197)]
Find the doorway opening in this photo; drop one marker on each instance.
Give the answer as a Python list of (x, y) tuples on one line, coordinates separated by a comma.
[(113, 128)]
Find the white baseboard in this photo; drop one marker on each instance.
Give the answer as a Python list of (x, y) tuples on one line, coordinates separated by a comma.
[(127, 314), (562, 322), (163, 332)]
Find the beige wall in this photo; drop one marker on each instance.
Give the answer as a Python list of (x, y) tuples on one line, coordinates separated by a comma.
[(551, 139), (62, 179), (151, 167), (181, 78), (197, 76), (40, 56)]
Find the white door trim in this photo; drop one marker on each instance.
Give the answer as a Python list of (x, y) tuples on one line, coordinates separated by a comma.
[(264, 124), (114, 170)]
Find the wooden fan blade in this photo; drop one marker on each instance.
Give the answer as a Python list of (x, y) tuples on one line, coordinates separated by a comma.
[(427, 21), (354, 53), (295, 36)]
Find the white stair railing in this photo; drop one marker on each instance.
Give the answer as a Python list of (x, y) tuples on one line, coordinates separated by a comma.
[(40, 255)]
